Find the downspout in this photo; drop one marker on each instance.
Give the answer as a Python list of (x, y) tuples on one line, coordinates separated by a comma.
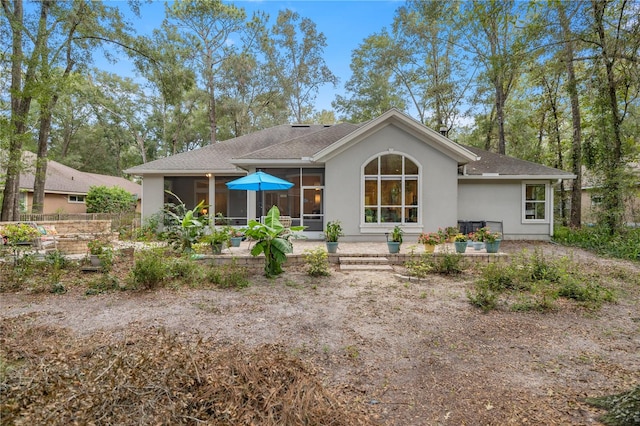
[(552, 207)]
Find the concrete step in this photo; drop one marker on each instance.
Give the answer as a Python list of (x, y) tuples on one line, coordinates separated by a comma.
[(363, 260), (352, 267)]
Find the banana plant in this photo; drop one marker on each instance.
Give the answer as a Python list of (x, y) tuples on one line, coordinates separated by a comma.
[(272, 239), (189, 229)]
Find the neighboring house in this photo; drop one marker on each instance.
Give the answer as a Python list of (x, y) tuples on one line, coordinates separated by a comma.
[(390, 170), (66, 188), (592, 197)]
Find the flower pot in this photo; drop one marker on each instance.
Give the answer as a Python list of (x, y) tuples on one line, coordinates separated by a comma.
[(478, 245), (235, 241), (216, 248), (95, 260), (332, 246), (394, 247), (493, 247), (469, 243), (429, 248), (461, 246)]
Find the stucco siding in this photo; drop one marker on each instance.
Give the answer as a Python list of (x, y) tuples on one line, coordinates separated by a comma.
[(438, 186), (499, 201), (153, 199)]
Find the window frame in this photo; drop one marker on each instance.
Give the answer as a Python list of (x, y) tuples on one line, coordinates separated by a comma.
[(404, 204), (83, 201), (546, 201)]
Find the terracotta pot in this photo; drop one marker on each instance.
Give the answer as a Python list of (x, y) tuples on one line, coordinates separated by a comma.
[(429, 248)]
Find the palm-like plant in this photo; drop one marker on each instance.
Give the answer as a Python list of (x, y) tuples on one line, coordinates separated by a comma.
[(272, 239)]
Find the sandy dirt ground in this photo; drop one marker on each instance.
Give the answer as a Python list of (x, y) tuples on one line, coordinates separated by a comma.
[(413, 352)]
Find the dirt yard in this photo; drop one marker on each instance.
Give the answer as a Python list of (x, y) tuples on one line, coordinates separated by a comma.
[(406, 352)]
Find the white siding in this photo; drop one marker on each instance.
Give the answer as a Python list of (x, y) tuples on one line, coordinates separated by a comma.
[(153, 199)]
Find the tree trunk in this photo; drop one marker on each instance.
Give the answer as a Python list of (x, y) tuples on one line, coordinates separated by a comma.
[(614, 203), (576, 144), (41, 163)]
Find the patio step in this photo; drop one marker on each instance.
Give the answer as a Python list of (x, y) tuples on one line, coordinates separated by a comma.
[(360, 263)]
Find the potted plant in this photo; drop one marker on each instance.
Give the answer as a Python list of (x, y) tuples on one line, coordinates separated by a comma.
[(492, 241), (430, 240), (217, 238), (332, 232), (460, 242), (451, 232), (235, 236), (478, 238), (100, 253), (396, 240)]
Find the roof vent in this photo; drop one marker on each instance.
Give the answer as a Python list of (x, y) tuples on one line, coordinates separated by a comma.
[(299, 125), (444, 130)]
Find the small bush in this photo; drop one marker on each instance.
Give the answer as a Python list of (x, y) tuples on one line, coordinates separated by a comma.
[(317, 262), (149, 269), (185, 269), (536, 282), (447, 263), (419, 268), (102, 284), (483, 296), (623, 409), (228, 276)]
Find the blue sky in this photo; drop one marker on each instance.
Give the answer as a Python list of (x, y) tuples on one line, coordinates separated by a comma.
[(344, 23)]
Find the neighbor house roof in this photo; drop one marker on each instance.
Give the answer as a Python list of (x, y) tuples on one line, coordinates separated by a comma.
[(66, 180), (296, 144)]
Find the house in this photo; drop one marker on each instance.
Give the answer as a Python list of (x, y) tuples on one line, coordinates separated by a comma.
[(65, 187), (390, 170), (592, 197)]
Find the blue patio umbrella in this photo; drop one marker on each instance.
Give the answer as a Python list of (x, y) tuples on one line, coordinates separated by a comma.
[(259, 181)]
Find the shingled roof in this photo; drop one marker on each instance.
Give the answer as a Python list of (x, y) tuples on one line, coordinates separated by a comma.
[(217, 158), (491, 164), (66, 180), (288, 142)]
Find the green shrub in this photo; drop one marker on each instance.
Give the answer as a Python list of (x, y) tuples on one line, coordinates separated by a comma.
[(186, 269), (623, 245), (447, 263), (483, 296), (317, 262), (101, 199), (623, 409), (419, 268), (228, 276), (102, 284), (536, 282), (149, 269)]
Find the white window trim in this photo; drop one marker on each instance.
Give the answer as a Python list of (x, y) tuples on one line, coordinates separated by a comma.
[(547, 201), (380, 228), (70, 201)]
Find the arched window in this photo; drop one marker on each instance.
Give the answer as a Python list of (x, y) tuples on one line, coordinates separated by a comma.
[(390, 190)]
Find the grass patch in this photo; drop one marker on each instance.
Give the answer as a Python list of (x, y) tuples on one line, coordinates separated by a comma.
[(622, 245), (623, 409)]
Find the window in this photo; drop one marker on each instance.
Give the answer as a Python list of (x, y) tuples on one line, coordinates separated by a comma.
[(535, 202), (76, 198), (390, 190)]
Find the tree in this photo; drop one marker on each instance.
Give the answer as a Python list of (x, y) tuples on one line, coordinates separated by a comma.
[(294, 51), (498, 42), (371, 87), (208, 25), (576, 119), (427, 35), (615, 40)]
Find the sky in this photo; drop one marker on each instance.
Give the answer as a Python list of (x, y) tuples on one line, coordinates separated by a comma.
[(345, 24)]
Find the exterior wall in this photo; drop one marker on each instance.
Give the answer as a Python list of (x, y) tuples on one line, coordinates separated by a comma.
[(590, 210), (499, 201), (57, 203), (153, 198), (343, 186)]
